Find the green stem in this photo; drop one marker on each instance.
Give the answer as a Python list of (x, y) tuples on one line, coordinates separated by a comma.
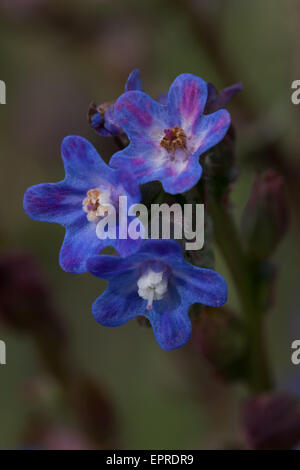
[(228, 241)]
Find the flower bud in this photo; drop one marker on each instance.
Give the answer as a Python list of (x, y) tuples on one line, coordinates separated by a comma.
[(220, 100), (272, 422), (265, 218)]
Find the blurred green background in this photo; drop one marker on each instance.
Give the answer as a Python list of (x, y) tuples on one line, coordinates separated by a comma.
[(56, 57)]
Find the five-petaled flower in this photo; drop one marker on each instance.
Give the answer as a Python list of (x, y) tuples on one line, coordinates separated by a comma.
[(158, 283), (167, 140), (80, 201)]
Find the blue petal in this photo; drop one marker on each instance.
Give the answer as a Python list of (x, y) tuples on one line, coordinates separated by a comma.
[(170, 320), (134, 81), (165, 250), (53, 202), (108, 267), (175, 183), (79, 244), (163, 98), (209, 130), (128, 246), (124, 177), (186, 100), (83, 165), (140, 116), (110, 122), (142, 159), (120, 302), (200, 285)]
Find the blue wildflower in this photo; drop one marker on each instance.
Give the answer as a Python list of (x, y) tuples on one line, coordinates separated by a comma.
[(102, 118), (167, 140), (158, 283), (80, 201)]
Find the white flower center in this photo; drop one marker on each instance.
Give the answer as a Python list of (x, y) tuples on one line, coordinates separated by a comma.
[(96, 204), (152, 286)]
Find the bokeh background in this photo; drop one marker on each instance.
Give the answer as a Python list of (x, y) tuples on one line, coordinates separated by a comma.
[(56, 57)]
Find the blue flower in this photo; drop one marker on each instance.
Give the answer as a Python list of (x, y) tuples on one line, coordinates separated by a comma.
[(167, 140), (102, 118), (78, 203), (158, 283)]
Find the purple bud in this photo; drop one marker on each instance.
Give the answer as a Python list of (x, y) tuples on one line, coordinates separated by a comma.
[(101, 119), (265, 218), (220, 100), (272, 422)]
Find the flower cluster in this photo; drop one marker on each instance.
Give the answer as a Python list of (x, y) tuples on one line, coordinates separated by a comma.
[(166, 139)]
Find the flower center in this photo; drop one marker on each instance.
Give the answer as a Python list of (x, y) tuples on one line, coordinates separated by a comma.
[(152, 286), (174, 139), (96, 204)]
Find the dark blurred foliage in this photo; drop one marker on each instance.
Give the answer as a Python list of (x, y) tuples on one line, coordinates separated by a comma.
[(93, 387), (26, 306), (217, 336), (25, 299)]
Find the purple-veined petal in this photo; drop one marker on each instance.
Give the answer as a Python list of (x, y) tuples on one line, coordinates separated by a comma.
[(125, 178), (163, 98), (134, 81), (143, 159), (186, 101), (79, 244), (53, 202), (83, 165), (175, 181), (140, 116), (209, 130)]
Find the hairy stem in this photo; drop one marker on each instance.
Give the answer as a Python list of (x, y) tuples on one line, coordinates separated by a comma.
[(228, 241)]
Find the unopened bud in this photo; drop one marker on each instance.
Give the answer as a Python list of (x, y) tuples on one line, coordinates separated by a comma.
[(265, 218), (272, 422), (101, 119), (220, 100)]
